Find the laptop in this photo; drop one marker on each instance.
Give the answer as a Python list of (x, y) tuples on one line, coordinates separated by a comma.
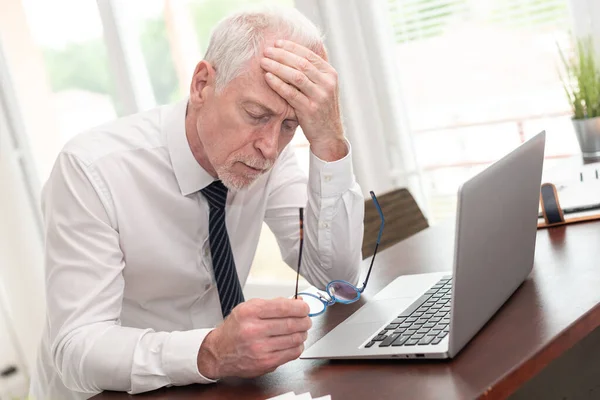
[(435, 315)]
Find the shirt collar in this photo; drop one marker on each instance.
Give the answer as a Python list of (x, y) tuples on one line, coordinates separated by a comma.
[(190, 176)]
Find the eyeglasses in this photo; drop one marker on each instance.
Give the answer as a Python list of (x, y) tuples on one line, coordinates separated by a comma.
[(337, 291)]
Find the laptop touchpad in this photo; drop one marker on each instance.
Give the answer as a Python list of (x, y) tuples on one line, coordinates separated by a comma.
[(379, 311)]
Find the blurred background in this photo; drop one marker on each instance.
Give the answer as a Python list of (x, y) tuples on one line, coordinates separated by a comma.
[(433, 91)]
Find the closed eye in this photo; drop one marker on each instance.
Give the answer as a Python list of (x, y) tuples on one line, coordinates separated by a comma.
[(258, 118), (290, 125)]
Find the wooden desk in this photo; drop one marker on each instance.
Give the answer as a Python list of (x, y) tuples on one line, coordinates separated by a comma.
[(553, 310)]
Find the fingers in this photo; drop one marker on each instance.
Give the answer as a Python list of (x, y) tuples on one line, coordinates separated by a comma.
[(277, 343), (298, 75), (291, 75), (291, 94), (295, 63), (283, 356), (260, 335), (275, 359), (286, 326), (283, 308), (304, 52)]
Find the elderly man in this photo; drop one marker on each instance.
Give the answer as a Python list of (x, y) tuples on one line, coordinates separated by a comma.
[(152, 221)]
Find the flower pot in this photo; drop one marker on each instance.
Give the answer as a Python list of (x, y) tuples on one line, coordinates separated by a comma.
[(588, 136)]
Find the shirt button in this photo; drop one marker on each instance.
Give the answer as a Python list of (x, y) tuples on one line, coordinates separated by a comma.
[(327, 178), (324, 225)]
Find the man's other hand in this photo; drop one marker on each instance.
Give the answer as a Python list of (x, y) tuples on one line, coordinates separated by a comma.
[(257, 337), (310, 85)]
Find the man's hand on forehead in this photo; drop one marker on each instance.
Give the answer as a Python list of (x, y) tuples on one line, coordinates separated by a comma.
[(310, 85)]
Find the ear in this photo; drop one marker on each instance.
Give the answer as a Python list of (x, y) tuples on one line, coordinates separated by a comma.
[(203, 84)]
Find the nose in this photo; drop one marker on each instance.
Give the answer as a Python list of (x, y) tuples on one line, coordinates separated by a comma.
[(268, 142)]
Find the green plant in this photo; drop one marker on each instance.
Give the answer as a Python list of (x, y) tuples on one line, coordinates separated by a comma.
[(582, 83)]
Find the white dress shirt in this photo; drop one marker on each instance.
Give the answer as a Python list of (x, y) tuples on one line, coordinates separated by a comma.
[(131, 292)]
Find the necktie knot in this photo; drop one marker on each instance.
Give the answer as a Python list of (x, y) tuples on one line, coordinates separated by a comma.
[(216, 194)]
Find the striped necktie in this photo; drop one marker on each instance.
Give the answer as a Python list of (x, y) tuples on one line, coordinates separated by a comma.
[(228, 283)]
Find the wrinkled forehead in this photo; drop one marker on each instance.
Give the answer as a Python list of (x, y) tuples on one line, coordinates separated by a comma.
[(251, 83)]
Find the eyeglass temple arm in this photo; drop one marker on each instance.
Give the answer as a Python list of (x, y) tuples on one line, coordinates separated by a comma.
[(301, 217), (364, 285)]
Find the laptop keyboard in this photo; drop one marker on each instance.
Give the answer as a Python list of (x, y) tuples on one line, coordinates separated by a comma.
[(426, 321)]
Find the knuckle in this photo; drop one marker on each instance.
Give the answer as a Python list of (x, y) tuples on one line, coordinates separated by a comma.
[(237, 315), (293, 94), (293, 340), (256, 304), (254, 301), (307, 323), (244, 329), (242, 311), (252, 307), (280, 306), (303, 65), (256, 348), (249, 330), (331, 80), (299, 79), (289, 324), (312, 58), (299, 338)]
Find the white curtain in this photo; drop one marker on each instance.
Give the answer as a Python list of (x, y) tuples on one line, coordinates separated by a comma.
[(360, 48)]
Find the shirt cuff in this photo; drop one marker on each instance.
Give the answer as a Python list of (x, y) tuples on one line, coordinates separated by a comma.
[(328, 179), (180, 357)]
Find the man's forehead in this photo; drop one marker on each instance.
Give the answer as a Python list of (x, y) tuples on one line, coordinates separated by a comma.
[(255, 89)]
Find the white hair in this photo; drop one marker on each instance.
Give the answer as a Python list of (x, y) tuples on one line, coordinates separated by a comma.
[(239, 37)]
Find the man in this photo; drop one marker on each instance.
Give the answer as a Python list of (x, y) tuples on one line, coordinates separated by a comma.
[(152, 221)]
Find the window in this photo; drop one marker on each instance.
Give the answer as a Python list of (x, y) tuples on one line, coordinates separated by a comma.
[(170, 35), (478, 78), (58, 63), (155, 36), (76, 62)]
